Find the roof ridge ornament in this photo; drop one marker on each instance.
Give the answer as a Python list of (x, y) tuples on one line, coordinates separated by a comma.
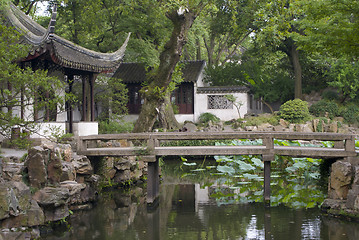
[(52, 23)]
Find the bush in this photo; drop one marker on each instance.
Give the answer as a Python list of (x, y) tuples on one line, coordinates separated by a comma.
[(206, 117), (330, 95), (257, 121), (350, 114), (320, 108), (114, 127), (294, 111)]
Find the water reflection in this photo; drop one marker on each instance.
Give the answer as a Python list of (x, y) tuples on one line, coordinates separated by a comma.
[(186, 211)]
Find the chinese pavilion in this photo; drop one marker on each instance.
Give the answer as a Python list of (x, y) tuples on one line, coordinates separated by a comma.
[(70, 62)]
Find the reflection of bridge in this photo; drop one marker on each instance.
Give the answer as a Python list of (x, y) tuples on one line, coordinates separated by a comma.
[(151, 145)]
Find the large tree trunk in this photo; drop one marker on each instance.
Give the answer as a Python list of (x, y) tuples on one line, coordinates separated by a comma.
[(154, 93), (166, 116), (297, 72)]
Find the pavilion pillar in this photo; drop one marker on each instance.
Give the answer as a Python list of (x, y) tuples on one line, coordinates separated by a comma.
[(92, 79), (84, 99), (88, 98), (70, 80)]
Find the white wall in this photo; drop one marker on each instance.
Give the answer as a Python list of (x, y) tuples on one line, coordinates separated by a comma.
[(85, 128), (201, 106), (45, 129)]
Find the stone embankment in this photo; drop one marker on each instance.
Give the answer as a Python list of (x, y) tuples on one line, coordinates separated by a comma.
[(50, 182), (343, 190)]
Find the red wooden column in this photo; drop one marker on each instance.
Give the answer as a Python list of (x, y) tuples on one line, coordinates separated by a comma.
[(84, 99), (92, 79), (70, 80)]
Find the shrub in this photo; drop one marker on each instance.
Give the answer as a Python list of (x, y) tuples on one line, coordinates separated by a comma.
[(350, 114), (330, 95), (257, 121), (294, 111), (114, 127), (320, 108), (206, 117)]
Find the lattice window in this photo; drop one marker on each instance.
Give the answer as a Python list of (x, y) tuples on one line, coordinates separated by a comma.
[(219, 102)]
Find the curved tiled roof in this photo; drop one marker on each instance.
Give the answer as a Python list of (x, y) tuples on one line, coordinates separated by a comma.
[(136, 72), (61, 51), (223, 89)]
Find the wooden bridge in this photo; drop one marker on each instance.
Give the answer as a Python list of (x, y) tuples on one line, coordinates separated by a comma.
[(150, 145)]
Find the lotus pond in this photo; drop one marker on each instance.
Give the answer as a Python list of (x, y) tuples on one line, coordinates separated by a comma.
[(218, 198)]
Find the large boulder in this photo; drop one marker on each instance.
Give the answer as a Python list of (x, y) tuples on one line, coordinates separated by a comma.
[(12, 171), (36, 163), (68, 172), (54, 168), (51, 196), (15, 199), (340, 180), (82, 165)]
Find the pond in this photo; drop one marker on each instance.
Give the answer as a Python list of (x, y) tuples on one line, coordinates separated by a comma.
[(190, 207)]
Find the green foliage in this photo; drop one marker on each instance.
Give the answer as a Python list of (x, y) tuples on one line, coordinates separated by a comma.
[(229, 74), (345, 75), (18, 86), (330, 95), (112, 95), (294, 111), (114, 126), (324, 107), (350, 113), (258, 120), (295, 182), (206, 117)]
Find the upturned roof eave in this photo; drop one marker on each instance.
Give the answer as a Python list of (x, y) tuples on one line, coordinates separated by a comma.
[(41, 39)]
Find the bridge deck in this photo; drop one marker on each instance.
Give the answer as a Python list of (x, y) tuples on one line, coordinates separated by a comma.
[(313, 152), (150, 147)]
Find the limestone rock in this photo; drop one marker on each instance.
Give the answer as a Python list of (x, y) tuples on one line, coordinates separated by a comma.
[(35, 215), (12, 171), (68, 172), (283, 123), (340, 180), (122, 176), (265, 127), (32, 217), (74, 191), (14, 199), (56, 214), (82, 165), (36, 164), (331, 127), (51, 196), (356, 175), (352, 198), (250, 128), (54, 168), (8, 235), (189, 127)]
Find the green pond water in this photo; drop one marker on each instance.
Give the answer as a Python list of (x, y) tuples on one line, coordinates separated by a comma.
[(201, 201)]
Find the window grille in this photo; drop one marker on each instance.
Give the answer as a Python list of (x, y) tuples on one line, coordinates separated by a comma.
[(219, 102)]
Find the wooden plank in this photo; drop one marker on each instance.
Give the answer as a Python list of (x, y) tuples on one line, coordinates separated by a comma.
[(209, 150), (219, 150), (311, 152)]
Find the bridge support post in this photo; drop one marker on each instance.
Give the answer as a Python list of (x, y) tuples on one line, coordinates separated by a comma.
[(153, 181), (267, 172)]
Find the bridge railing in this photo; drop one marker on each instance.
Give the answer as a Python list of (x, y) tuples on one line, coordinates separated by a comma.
[(148, 146)]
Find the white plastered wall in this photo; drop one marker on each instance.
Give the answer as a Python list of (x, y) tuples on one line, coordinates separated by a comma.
[(201, 106)]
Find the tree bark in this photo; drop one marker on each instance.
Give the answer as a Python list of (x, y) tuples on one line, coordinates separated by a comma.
[(166, 115), (297, 72), (154, 93)]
